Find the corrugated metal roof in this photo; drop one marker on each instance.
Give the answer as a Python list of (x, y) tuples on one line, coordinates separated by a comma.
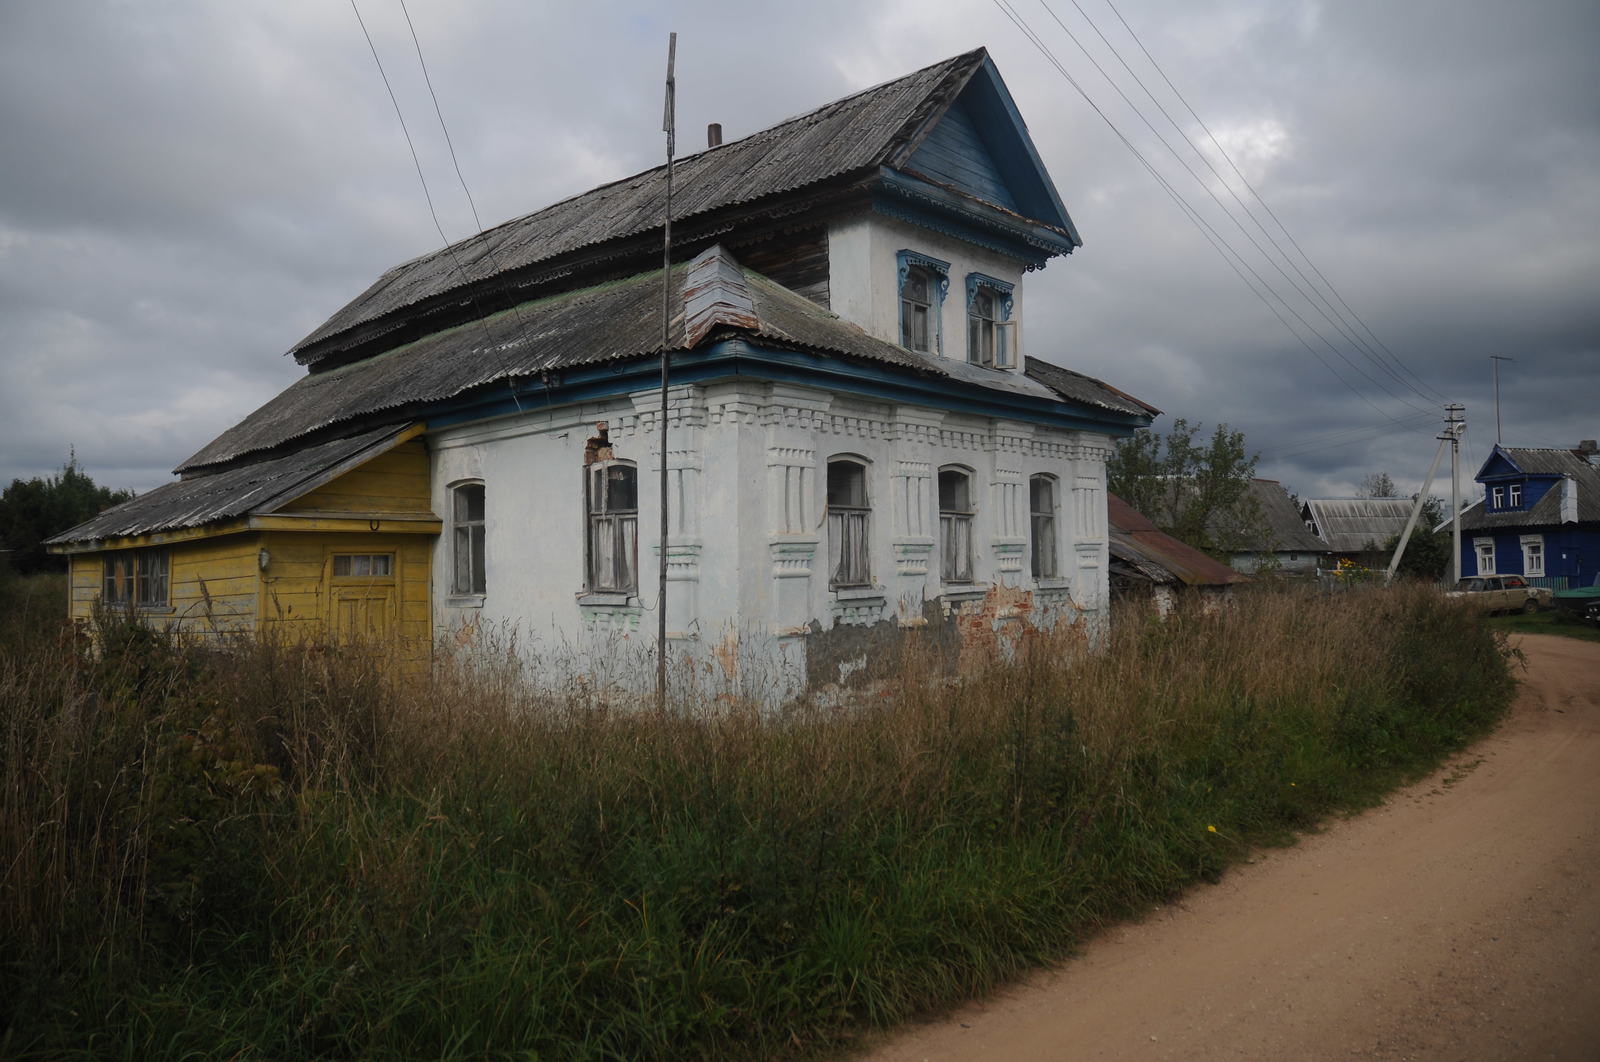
[(610, 322), (235, 492), (872, 128), (1086, 389), (1137, 541), (1278, 530), (1350, 525)]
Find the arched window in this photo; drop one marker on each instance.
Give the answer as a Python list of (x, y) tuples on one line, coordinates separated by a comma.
[(849, 517), (612, 504), (1042, 526), (955, 525), (466, 522)]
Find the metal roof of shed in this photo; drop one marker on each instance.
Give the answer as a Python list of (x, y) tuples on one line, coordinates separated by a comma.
[(1350, 525)]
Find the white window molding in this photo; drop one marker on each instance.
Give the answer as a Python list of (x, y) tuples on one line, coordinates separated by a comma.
[(1484, 549), (1533, 555), (991, 334)]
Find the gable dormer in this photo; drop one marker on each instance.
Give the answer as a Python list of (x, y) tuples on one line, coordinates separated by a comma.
[(957, 217)]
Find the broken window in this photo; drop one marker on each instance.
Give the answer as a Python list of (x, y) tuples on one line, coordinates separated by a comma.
[(955, 525), (466, 519), (989, 328), (1042, 524), (136, 578), (848, 516), (613, 509)]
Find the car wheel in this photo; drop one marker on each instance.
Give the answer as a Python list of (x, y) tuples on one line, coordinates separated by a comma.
[(1530, 606)]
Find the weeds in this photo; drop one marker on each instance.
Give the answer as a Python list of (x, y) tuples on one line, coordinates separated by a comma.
[(273, 852)]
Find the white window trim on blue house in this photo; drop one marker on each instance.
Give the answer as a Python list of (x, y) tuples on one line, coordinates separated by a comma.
[(1004, 327), (1484, 549), (906, 260), (1532, 555)]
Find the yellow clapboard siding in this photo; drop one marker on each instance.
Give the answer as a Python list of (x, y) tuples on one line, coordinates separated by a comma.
[(394, 482)]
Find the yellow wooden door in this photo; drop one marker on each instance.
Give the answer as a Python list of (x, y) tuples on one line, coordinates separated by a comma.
[(362, 613)]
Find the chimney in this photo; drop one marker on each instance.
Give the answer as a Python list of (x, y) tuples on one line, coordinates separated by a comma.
[(1587, 450), (714, 135)]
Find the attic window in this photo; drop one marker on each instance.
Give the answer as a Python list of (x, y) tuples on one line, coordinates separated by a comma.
[(1514, 496), (990, 340), (923, 283), (1499, 498)]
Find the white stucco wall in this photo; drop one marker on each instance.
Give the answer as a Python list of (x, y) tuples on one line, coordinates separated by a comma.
[(748, 581), (864, 280)]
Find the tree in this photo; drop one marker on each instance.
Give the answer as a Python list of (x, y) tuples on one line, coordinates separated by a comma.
[(1377, 485), (35, 509), (1196, 492), (1427, 555)]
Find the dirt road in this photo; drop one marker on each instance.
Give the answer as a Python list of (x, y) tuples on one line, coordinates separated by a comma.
[(1461, 920)]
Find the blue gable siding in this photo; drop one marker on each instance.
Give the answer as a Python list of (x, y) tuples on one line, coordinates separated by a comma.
[(955, 154)]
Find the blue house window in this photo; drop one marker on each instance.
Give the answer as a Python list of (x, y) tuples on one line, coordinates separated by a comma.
[(989, 325), (924, 280), (1499, 495), (1514, 494)]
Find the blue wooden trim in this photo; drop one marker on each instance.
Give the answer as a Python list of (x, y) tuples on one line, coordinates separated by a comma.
[(906, 258), (742, 358), (1001, 288), (993, 109), (920, 202)]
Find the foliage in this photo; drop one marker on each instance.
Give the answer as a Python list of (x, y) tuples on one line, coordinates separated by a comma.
[(1197, 492), (35, 509), (273, 853), (1427, 554), (1377, 485)]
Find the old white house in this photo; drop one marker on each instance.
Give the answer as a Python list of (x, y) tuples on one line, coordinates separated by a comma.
[(859, 445)]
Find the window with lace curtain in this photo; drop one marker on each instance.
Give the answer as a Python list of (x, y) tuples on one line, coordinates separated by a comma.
[(955, 525), (849, 519)]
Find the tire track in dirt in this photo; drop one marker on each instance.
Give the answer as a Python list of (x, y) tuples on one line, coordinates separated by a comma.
[(1460, 920)]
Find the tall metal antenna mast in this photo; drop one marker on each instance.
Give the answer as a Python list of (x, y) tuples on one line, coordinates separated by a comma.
[(1497, 359), (668, 121)]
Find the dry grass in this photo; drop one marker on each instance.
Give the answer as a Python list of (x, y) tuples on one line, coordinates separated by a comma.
[(274, 852)]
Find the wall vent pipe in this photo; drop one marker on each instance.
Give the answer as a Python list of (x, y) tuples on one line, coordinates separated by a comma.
[(714, 135)]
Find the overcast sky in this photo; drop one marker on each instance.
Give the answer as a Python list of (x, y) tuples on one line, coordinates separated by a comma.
[(188, 188)]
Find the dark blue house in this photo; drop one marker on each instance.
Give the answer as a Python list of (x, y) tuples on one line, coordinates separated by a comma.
[(1539, 516)]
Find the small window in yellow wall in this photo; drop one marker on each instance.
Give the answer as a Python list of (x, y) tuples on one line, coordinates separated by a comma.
[(363, 565)]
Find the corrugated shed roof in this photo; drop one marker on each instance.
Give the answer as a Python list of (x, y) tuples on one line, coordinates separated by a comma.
[(256, 488), (610, 322), (876, 127), (1086, 389), (1137, 541), (1348, 525), (1279, 530)]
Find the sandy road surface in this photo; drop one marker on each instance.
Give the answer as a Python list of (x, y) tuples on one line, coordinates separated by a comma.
[(1461, 920)]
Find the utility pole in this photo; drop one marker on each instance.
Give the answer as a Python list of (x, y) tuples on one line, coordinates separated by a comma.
[(1454, 424), (1497, 359), (668, 121)]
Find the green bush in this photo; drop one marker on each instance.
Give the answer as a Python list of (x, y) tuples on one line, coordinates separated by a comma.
[(273, 853)]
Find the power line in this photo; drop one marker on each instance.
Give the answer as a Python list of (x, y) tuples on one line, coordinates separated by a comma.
[(1217, 241), (446, 129), (1260, 199), (1226, 212)]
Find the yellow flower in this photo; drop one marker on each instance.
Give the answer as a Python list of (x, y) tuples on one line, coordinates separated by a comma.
[(1213, 829)]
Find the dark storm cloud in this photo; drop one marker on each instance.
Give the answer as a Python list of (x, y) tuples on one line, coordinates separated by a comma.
[(187, 189)]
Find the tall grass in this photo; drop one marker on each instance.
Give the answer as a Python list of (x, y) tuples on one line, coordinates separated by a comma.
[(273, 852)]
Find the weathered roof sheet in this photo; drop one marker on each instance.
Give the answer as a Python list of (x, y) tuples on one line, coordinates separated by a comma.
[(609, 322), (1549, 461), (1546, 511), (254, 488), (1137, 541), (1086, 389), (1280, 530), (876, 127), (1348, 525)]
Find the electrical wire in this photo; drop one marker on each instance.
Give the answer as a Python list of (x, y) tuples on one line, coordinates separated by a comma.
[(1229, 215), (1207, 231)]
